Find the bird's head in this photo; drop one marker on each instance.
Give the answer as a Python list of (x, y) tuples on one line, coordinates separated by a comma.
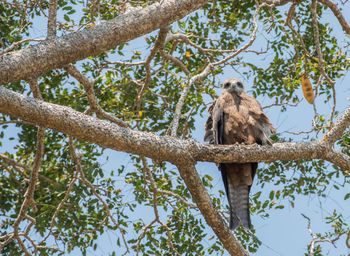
[(233, 86)]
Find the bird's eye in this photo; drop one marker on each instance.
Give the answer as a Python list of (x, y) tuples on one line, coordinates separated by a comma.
[(226, 85), (239, 84)]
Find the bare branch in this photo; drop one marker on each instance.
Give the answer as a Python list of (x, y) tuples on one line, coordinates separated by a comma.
[(77, 161), (334, 7), (180, 198), (320, 57), (16, 44), (159, 43), (175, 122), (51, 24), (28, 169), (61, 204), (35, 88), (316, 239), (155, 209), (176, 61), (89, 89), (277, 2)]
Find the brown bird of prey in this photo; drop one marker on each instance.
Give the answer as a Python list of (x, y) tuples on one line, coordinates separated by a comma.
[(234, 118)]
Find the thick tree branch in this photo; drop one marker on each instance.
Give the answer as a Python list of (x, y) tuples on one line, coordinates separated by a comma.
[(337, 131), (76, 46), (163, 148), (200, 195), (277, 2)]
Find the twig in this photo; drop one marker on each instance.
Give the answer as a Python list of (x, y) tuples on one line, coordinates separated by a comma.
[(277, 2), (155, 209), (60, 205), (77, 161), (176, 61), (159, 43), (316, 239), (89, 89), (28, 169), (320, 58), (180, 198), (16, 44)]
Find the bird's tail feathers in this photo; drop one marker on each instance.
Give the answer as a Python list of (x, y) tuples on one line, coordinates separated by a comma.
[(239, 202)]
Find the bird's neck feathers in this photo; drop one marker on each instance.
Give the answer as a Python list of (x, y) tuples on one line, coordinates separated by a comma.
[(234, 96)]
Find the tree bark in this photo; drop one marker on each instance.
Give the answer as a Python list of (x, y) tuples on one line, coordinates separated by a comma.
[(165, 148), (60, 51)]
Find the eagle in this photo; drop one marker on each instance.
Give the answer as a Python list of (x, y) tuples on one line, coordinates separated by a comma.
[(235, 118)]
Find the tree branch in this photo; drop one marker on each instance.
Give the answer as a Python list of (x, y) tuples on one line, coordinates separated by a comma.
[(90, 93), (200, 195), (51, 23), (337, 131), (163, 148), (320, 57), (76, 46), (334, 7)]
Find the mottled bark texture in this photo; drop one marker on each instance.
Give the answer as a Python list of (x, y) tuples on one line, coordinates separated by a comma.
[(165, 148), (60, 51)]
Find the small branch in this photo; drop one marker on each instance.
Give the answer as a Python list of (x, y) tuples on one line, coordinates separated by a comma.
[(175, 122), (29, 195), (316, 239), (16, 44), (159, 44), (89, 89), (176, 61), (180, 198), (28, 169), (60, 205), (155, 209), (77, 161), (319, 53), (51, 24), (334, 7), (35, 88)]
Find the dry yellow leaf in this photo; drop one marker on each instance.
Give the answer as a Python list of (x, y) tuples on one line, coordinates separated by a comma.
[(307, 89)]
